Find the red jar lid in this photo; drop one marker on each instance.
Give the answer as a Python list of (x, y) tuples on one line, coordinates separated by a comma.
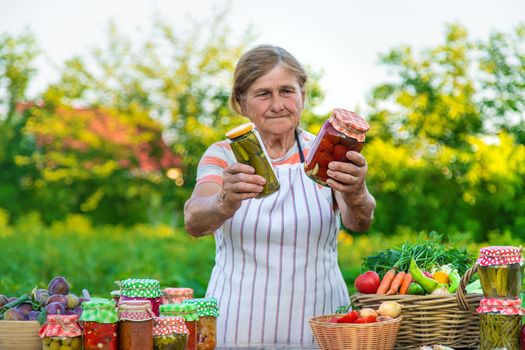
[(500, 306), (135, 310), (169, 325), (349, 124), (500, 255)]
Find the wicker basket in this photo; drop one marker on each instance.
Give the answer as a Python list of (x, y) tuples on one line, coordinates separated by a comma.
[(352, 336), (17, 335), (449, 320)]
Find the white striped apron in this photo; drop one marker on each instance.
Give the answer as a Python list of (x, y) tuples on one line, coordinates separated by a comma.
[(276, 264)]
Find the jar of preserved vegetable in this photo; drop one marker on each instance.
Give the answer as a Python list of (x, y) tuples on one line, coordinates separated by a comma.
[(344, 131), (500, 271), (100, 323), (207, 325), (500, 323), (142, 289), (61, 332), (169, 333), (135, 327), (176, 295), (189, 314), (249, 149)]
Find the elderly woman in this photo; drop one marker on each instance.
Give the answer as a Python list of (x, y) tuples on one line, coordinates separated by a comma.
[(276, 257)]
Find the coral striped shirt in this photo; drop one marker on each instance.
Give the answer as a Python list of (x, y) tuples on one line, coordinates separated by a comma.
[(276, 258)]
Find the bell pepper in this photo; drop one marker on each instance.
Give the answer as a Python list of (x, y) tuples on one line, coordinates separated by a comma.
[(454, 279), (428, 284)]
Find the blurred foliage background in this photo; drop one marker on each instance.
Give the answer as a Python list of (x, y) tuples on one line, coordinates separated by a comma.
[(95, 169)]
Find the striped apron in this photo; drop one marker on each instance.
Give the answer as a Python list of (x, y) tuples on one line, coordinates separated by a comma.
[(276, 264)]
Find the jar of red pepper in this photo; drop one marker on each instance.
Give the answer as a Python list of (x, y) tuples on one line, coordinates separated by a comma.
[(344, 131), (142, 289), (189, 313), (100, 323)]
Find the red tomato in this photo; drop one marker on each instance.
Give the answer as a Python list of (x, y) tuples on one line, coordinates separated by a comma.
[(325, 145), (367, 319), (350, 317), (367, 282), (340, 153), (323, 159), (321, 174)]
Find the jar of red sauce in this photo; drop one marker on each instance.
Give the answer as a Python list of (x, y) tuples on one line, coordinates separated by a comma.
[(344, 131), (135, 328), (100, 323), (189, 313)]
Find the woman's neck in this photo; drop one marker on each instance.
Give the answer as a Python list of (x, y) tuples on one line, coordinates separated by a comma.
[(278, 145)]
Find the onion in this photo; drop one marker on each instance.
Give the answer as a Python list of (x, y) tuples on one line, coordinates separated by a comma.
[(367, 312), (389, 308)]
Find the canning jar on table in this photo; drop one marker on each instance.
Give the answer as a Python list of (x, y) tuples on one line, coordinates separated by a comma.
[(61, 332), (208, 312), (500, 270), (135, 328), (189, 313), (142, 289), (169, 333), (99, 322), (500, 323)]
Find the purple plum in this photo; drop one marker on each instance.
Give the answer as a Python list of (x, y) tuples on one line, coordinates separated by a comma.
[(32, 316), (25, 308), (13, 315), (55, 308), (59, 298), (3, 300), (58, 285)]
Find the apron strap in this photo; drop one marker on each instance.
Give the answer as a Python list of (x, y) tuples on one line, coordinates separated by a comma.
[(301, 154)]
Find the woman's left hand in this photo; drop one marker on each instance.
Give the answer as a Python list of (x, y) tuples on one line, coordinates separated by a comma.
[(348, 178)]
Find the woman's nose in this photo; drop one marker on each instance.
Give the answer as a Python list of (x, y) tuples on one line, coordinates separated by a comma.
[(277, 104)]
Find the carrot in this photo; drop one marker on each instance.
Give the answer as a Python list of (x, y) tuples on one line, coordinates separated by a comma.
[(385, 283), (396, 283), (405, 284)]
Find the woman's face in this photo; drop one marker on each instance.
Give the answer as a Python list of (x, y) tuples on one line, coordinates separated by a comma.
[(274, 102)]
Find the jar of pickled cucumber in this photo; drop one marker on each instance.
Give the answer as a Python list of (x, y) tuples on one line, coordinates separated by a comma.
[(248, 148), (135, 327), (189, 313), (500, 323), (169, 333), (142, 289), (500, 271), (61, 332), (344, 131), (176, 295), (100, 321), (208, 312)]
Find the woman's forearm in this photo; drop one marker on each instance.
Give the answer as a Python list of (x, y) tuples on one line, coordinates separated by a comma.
[(205, 214), (357, 211)]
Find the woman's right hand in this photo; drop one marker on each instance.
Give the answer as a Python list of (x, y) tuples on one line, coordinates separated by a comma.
[(239, 183)]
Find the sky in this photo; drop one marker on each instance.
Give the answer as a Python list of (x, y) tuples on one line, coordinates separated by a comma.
[(341, 38)]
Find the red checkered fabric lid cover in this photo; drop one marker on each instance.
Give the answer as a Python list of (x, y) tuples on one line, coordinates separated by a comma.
[(500, 306), (504, 255), (169, 325), (61, 326), (177, 295), (349, 124), (135, 310)]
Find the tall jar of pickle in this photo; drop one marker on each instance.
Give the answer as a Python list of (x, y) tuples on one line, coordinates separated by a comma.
[(500, 323), (100, 322), (142, 289), (169, 333), (135, 327), (208, 312), (189, 313), (61, 332), (344, 131), (500, 270)]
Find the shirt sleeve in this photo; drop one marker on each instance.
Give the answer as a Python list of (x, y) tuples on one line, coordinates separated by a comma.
[(212, 164)]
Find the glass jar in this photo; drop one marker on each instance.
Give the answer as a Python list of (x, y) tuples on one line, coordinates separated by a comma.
[(189, 314), (61, 332), (249, 149), (142, 289), (135, 328), (100, 323), (169, 333), (500, 323), (176, 295), (208, 312), (500, 271), (344, 131)]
